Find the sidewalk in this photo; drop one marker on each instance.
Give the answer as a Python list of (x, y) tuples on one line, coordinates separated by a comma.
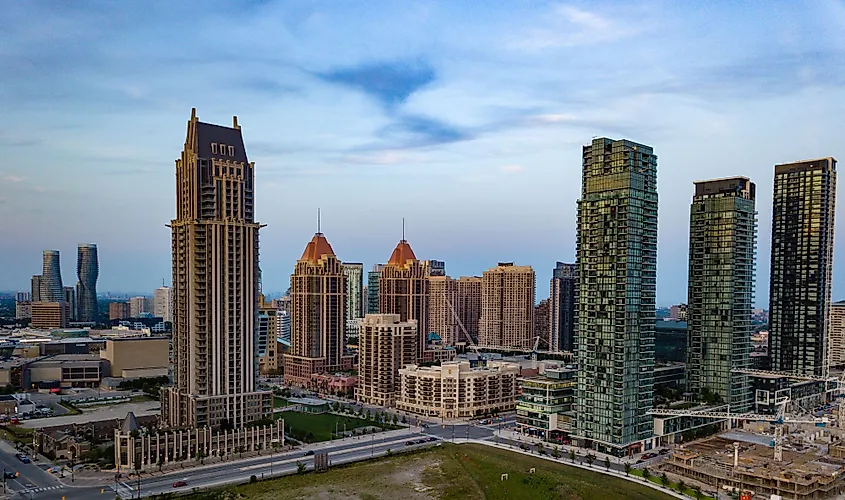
[(564, 449)]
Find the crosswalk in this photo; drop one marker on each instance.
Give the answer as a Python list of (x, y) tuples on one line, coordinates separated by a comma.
[(40, 489)]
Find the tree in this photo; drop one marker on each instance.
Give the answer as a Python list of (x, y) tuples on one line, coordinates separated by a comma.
[(200, 456), (590, 459), (395, 419), (523, 446), (682, 486), (627, 468), (300, 468), (696, 491), (646, 473), (607, 463), (241, 451), (664, 480), (388, 452), (540, 448), (572, 455), (404, 420), (556, 452)]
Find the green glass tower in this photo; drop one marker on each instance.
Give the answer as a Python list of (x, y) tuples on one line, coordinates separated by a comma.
[(722, 250), (617, 268)]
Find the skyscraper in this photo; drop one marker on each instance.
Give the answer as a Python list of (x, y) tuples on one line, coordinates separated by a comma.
[(69, 298), (87, 271), (215, 284), (801, 265), (318, 317), (403, 289), (354, 272), (163, 303), (36, 288), (385, 346), (562, 299), (51, 278), (617, 267), (837, 333), (507, 307), (435, 267), (443, 299), (372, 288), (469, 306), (722, 250)]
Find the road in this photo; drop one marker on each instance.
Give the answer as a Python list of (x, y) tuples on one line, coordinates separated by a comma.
[(32, 477)]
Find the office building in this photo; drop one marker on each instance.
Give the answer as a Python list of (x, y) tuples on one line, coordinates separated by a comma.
[(36, 288), (836, 331), (87, 272), (443, 299), (385, 344), (562, 300), (801, 265), (469, 306), (137, 357), (214, 311), (403, 289), (722, 250), (372, 288), (49, 315), (51, 278), (23, 310), (318, 317), (69, 297), (163, 303), (545, 402), (354, 272), (455, 390), (617, 267), (507, 307)]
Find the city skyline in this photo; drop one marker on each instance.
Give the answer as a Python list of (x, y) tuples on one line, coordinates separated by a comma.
[(368, 120)]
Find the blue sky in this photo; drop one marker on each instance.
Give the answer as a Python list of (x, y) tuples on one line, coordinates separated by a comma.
[(466, 118)]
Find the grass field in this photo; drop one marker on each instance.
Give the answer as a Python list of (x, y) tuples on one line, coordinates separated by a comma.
[(280, 402), (313, 428), (465, 472)]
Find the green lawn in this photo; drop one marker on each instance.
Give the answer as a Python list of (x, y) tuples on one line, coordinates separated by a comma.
[(313, 428), (450, 472), (280, 402)]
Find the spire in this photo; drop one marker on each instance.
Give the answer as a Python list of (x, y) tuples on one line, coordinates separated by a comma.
[(401, 254), (318, 222), (403, 229), (316, 248)]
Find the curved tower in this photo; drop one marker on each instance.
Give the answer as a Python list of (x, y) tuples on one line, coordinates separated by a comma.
[(51, 278), (87, 271)]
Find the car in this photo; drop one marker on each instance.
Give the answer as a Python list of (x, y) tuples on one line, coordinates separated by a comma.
[(180, 484), (9, 474), (640, 461), (431, 439), (23, 458), (309, 453), (409, 443), (663, 451)]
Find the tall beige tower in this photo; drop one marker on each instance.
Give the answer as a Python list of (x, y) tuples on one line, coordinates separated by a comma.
[(443, 298), (404, 290), (318, 314), (469, 305), (507, 307), (385, 344), (215, 284)]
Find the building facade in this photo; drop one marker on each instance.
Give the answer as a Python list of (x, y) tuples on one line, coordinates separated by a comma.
[(435, 267), (801, 265), (36, 288), (269, 356), (354, 272), (163, 303), (119, 310), (403, 289), (87, 272), (469, 306), (215, 284), (443, 297), (507, 307), (318, 318), (544, 406), (49, 315), (836, 331), (722, 251), (562, 299), (51, 278), (372, 288), (385, 345), (617, 268), (455, 390), (542, 323), (69, 297)]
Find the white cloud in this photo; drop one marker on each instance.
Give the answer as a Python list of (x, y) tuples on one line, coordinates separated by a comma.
[(550, 119), (571, 26), (12, 178), (386, 157), (511, 169)]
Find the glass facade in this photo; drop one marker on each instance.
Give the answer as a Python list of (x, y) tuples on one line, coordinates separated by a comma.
[(562, 307), (87, 271), (617, 267), (801, 265), (722, 250), (372, 289)]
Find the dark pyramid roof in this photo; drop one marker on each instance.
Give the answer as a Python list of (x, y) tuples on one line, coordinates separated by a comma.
[(129, 424)]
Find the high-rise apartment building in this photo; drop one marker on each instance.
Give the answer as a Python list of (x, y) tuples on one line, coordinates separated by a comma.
[(385, 345), (403, 289), (268, 347), (836, 331), (138, 305), (354, 272), (617, 268), (69, 297), (678, 312), (215, 284), (51, 278), (722, 250), (36, 288), (469, 306), (801, 265), (562, 300), (318, 317), (435, 267), (443, 299), (119, 310), (372, 288), (23, 297), (87, 272), (507, 307), (542, 323), (163, 303)]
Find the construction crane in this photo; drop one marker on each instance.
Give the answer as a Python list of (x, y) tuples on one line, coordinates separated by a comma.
[(469, 338)]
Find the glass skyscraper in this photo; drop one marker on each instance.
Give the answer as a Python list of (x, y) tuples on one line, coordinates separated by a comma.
[(372, 288), (51, 278), (87, 271), (722, 243), (562, 299), (617, 267)]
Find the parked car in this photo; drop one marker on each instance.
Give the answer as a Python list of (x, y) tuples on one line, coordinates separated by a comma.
[(180, 484), (664, 451), (23, 458), (409, 443), (309, 453), (430, 439)]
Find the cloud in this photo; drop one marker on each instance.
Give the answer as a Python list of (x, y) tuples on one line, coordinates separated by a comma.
[(570, 26), (12, 177), (386, 157), (511, 169), (549, 119), (132, 171), (390, 83), (414, 131)]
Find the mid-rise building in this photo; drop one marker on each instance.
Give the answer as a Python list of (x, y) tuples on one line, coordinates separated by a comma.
[(139, 305), (163, 303), (836, 331), (442, 309), (69, 294), (507, 307), (801, 265), (23, 310), (137, 357), (87, 272), (214, 311), (617, 271), (51, 278), (23, 297), (36, 288), (403, 289), (385, 344), (269, 357), (455, 390), (318, 321), (49, 315), (542, 323), (119, 310), (354, 272), (722, 250), (678, 312), (545, 403), (469, 306), (372, 288), (562, 300)]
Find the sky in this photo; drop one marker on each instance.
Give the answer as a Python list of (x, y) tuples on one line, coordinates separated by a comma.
[(465, 118)]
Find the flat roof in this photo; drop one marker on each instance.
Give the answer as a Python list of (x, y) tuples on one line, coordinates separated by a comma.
[(308, 401)]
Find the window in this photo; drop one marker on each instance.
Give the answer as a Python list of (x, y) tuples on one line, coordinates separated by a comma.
[(214, 148), (231, 150)]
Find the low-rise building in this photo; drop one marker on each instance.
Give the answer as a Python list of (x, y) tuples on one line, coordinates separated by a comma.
[(137, 357), (65, 370), (544, 407), (455, 390), (48, 315)]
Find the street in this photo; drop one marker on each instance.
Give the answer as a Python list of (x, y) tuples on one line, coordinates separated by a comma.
[(32, 477)]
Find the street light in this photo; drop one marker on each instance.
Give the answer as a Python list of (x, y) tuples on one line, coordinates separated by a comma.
[(273, 445)]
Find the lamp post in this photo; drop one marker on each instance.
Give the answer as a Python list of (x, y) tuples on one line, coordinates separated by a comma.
[(273, 444)]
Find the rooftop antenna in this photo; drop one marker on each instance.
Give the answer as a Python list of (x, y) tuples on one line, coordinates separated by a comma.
[(318, 221), (403, 229)]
